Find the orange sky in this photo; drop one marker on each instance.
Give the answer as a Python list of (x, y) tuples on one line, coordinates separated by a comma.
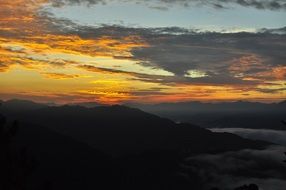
[(41, 63)]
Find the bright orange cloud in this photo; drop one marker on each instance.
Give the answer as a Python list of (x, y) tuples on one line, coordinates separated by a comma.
[(275, 73), (60, 76), (242, 65)]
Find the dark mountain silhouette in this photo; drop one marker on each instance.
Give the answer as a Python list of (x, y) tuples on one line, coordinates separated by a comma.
[(208, 115), (88, 104), (16, 105), (217, 106), (223, 115), (15, 167), (283, 103), (110, 147), (119, 129), (62, 162), (34, 157)]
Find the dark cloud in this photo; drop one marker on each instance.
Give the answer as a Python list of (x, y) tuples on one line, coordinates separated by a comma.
[(215, 54), (180, 50), (3, 67), (263, 4), (271, 91), (219, 55), (274, 31), (165, 4)]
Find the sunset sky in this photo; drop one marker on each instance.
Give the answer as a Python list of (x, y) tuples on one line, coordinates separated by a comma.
[(146, 51)]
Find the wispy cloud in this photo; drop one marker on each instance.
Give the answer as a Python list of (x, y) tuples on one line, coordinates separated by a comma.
[(60, 76), (164, 4)]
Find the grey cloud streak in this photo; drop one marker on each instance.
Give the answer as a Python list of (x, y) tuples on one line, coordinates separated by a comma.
[(178, 50), (215, 54), (165, 4)]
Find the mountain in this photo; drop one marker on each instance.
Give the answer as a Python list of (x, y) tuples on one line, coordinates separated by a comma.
[(61, 162), (88, 104), (238, 106), (120, 129), (16, 105), (222, 115), (283, 103), (110, 147)]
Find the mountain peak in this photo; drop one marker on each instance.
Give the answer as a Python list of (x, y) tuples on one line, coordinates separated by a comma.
[(21, 105)]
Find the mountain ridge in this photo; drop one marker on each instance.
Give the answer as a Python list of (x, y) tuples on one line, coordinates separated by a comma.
[(116, 146), (116, 129)]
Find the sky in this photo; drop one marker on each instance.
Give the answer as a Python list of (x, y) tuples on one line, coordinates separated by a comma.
[(147, 51)]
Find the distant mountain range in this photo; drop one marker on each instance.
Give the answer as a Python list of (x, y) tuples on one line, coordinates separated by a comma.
[(118, 129), (223, 115), (238, 114), (253, 115), (16, 105)]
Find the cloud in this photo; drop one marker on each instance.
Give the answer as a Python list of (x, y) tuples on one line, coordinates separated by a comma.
[(233, 169), (240, 58), (271, 91), (164, 4), (280, 31), (173, 49), (60, 76), (3, 67), (274, 136), (234, 63), (95, 69)]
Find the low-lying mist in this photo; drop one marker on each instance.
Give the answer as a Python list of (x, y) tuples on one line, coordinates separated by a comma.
[(274, 136)]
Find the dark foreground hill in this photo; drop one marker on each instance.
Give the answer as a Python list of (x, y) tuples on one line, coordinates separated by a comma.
[(114, 147), (118, 130), (61, 162)]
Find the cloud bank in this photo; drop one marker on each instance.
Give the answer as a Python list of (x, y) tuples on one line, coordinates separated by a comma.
[(234, 169), (274, 136)]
